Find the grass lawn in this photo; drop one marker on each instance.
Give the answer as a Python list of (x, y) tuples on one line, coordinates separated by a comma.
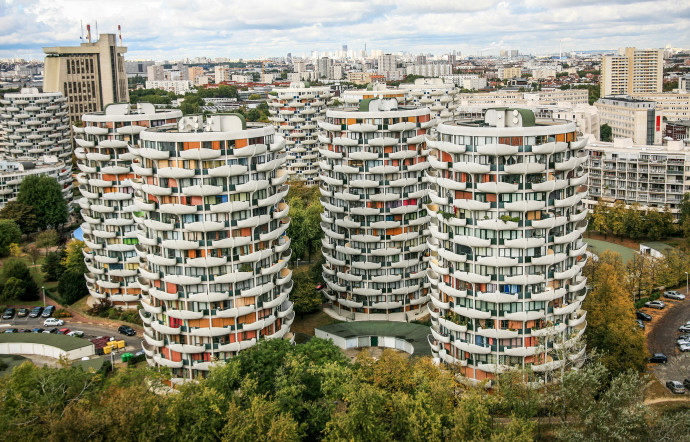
[(308, 323), (598, 246), (11, 361)]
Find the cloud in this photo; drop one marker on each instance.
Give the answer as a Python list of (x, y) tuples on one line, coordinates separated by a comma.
[(180, 28)]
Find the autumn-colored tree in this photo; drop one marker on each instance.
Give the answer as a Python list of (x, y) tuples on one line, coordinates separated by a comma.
[(600, 217), (616, 218), (611, 318)]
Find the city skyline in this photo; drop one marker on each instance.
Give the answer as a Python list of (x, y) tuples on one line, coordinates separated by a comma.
[(264, 29)]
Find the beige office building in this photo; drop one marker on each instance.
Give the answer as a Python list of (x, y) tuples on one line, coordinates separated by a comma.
[(672, 106), (91, 75), (632, 71), (631, 118)]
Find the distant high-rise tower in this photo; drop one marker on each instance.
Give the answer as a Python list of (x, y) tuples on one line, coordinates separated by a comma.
[(632, 71), (90, 76), (344, 48)]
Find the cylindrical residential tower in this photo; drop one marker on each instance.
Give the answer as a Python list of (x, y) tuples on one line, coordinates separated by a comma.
[(434, 94), (105, 183), (506, 243), (353, 97), (375, 224), (294, 112), (212, 241), (36, 124)]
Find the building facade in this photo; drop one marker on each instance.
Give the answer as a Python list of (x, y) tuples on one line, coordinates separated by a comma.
[(506, 253), (107, 203), (295, 112), (632, 71), (433, 93), (653, 176), (35, 124), (212, 241), (90, 76), (13, 172), (374, 219), (631, 118)]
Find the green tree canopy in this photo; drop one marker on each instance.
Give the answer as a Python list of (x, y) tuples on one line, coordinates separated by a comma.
[(21, 214), (72, 287), (10, 233), (44, 195)]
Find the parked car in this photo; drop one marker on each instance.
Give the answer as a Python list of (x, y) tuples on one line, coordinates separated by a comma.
[(640, 324), (36, 312), (51, 330), (658, 358), (684, 328), (22, 313), (672, 294), (24, 330), (76, 334), (126, 330), (655, 304), (682, 341), (643, 316), (11, 330), (37, 330), (9, 313), (53, 322), (63, 331), (684, 347), (686, 383), (675, 387), (48, 312), (320, 286)]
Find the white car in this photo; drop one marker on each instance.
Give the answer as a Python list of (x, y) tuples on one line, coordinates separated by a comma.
[(76, 334), (53, 322), (685, 347), (655, 304), (672, 294)]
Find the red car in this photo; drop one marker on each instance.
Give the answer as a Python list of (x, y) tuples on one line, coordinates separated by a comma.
[(63, 331), (320, 286)]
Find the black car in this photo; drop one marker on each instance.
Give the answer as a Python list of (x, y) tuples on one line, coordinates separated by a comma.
[(658, 358), (36, 312), (126, 330), (686, 383), (640, 324), (22, 313), (643, 316), (9, 313), (48, 312)]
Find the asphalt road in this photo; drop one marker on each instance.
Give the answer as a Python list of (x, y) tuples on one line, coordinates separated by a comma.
[(662, 337)]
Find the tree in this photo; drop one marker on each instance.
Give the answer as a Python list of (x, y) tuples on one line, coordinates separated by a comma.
[(73, 260), (616, 215), (633, 221), (611, 318), (305, 297), (34, 252), (21, 214), (600, 217), (47, 239), (14, 289), (605, 132), (14, 268), (52, 267), (9, 234), (44, 195), (72, 287), (15, 250)]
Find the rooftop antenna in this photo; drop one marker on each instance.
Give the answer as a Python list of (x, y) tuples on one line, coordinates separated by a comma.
[(119, 32), (97, 37), (81, 29)]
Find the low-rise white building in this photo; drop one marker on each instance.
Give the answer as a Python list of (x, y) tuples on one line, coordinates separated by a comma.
[(179, 87)]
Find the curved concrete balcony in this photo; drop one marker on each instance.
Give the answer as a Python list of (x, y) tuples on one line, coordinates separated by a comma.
[(472, 277), (568, 238), (204, 226), (471, 348), (497, 149), (497, 224), (209, 297), (524, 279), (237, 346), (496, 261), (436, 164), (578, 318), (153, 342), (497, 297), (547, 331), (175, 172), (524, 168), (164, 329), (451, 291), (186, 348), (525, 243), (577, 286), (158, 359), (180, 244), (445, 183), (550, 185), (156, 190), (567, 309), (163, 296), (470, 204), (525, 206), (201, 190), (236, 311), (472, 168), (210, 332), (549, 259), (471, 241), (547, 366)]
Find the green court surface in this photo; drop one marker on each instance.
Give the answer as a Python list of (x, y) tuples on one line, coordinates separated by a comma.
[(598, 247), (66, 343), (415, 334)]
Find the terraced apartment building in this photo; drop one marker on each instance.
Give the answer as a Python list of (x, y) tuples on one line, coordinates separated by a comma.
[(212, 245), (375, 223), (107, 203), (295, 111), (506, 250)]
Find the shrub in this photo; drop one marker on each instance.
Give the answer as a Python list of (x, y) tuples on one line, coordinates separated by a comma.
[(62, 313)]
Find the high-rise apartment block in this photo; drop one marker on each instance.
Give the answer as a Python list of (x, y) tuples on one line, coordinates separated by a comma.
[(35, 124), (212, 243), (632, 71), (506, 250), (434, 94), (90, 76), (375, 224), (107, 206), (295, 111)]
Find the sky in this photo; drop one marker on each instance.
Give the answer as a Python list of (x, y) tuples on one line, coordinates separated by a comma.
[(176, 29)]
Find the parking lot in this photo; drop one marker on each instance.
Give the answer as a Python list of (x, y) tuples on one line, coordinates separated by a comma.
[(662, 334)]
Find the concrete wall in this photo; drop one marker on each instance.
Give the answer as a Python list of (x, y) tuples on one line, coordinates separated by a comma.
[(365, 341), (25, 348)]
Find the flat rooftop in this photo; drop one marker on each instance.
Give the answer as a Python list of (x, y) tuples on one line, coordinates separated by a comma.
[(415, 334), (66, 343)]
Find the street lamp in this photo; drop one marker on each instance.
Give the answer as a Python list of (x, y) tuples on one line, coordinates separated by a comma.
[(686, 283), (44, 295)]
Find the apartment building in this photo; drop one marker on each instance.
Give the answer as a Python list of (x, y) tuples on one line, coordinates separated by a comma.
[(34, 125), (672, 106), (506, 253), (430, 70), (515, 98), (652, 176), (212, 243), (13, 172), (353, 97), (631, 118), (107, 203), (508, 73), (155, 72), (90, 76), (632, 71), (434, 94), (179, 87), (295, 111), (375, 225)]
